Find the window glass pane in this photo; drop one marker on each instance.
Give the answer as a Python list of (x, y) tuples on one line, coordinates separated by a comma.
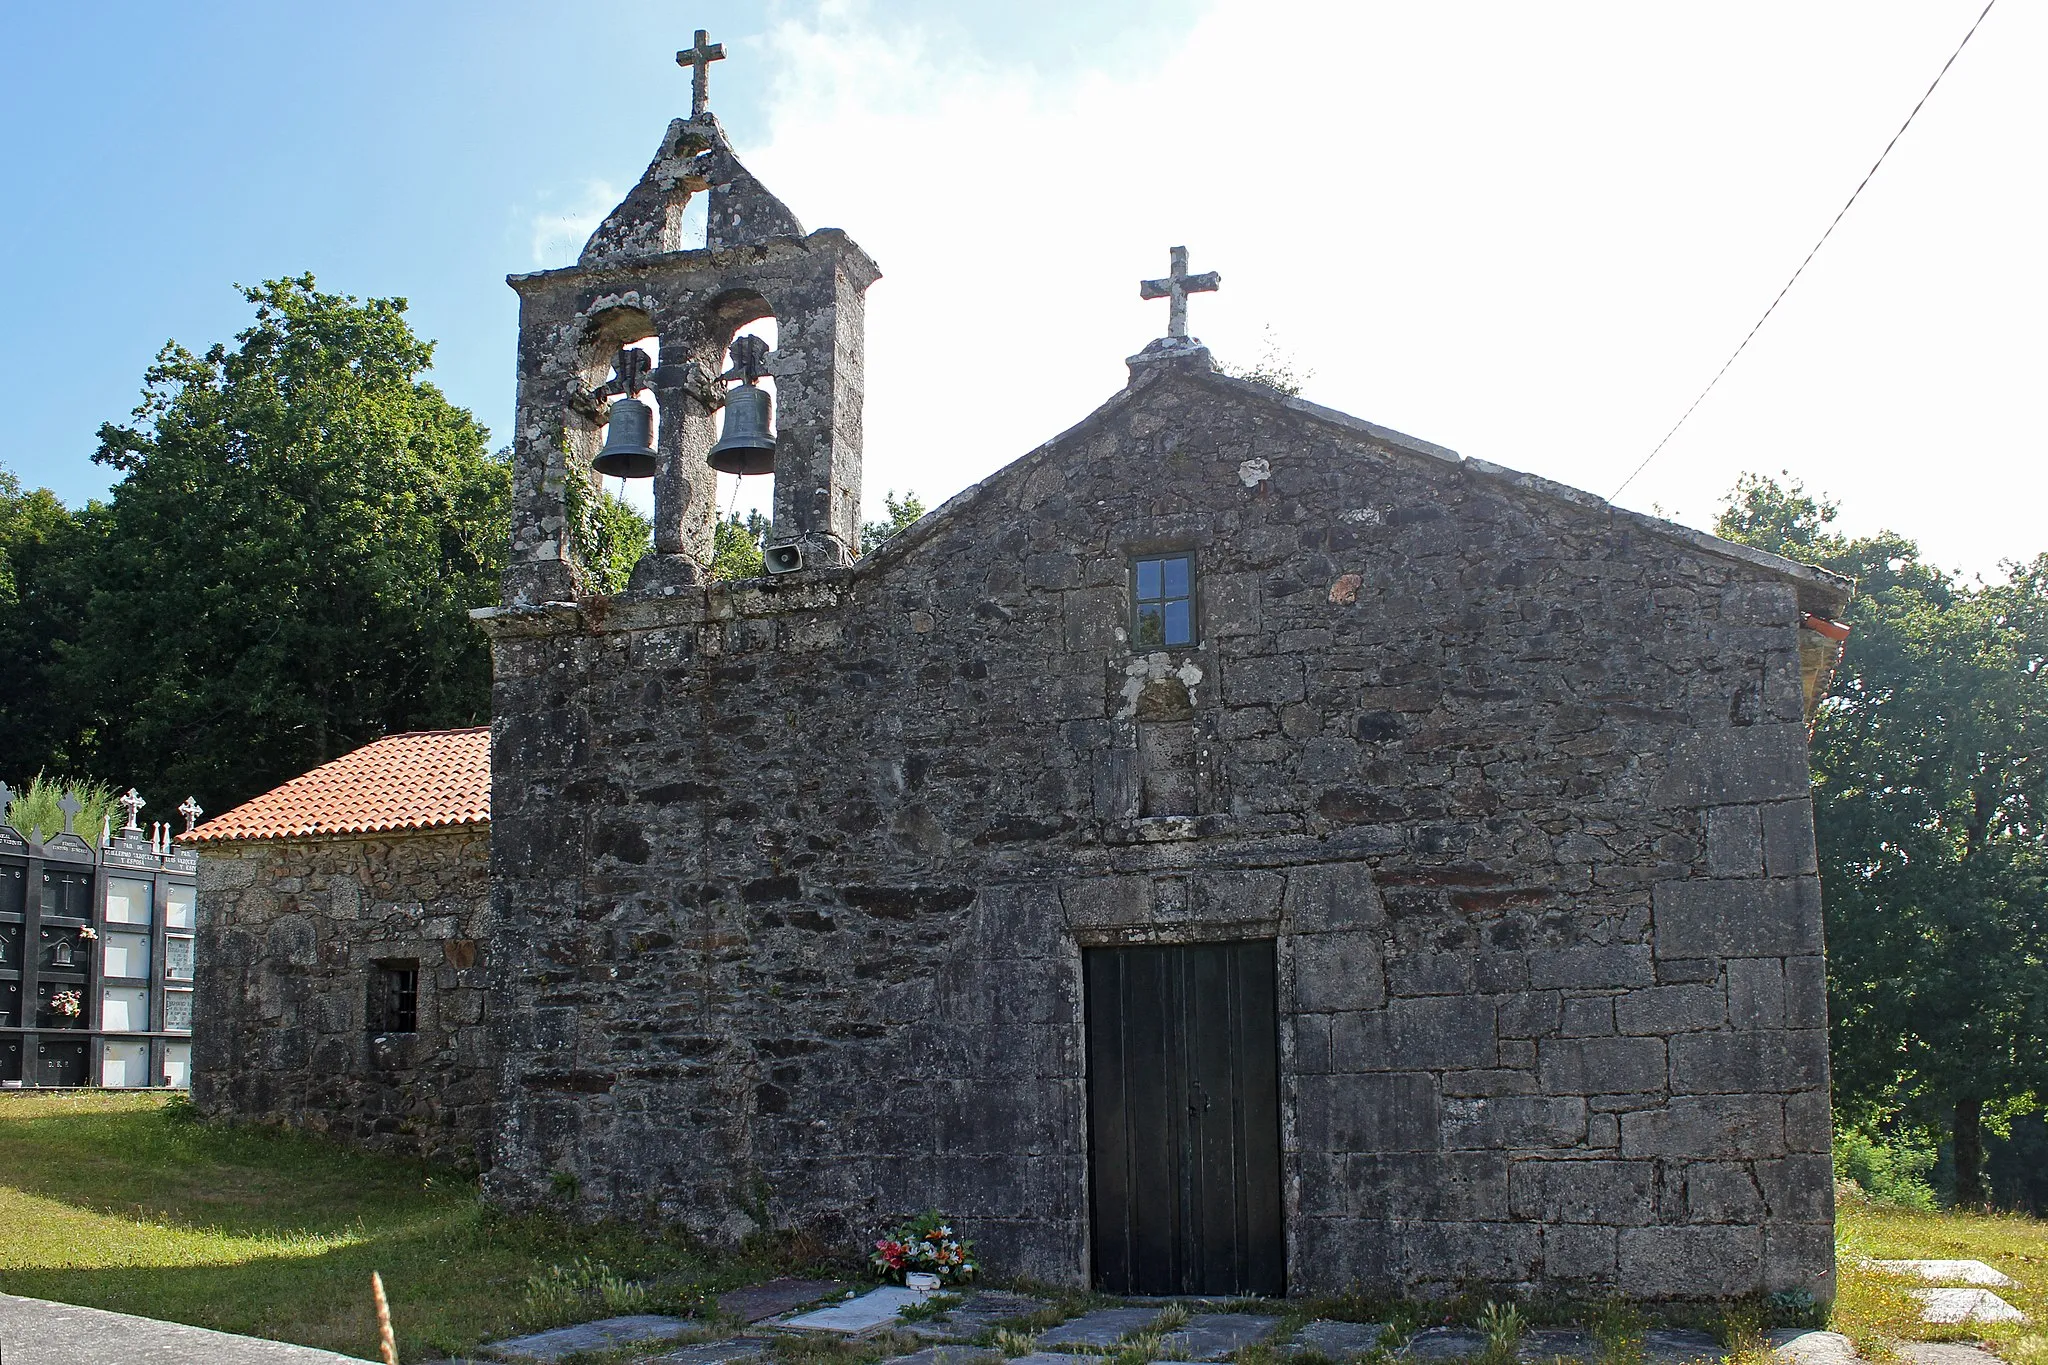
[(178, 1012), (125, 1064), (178, 959), (178, 1064), (1176, 576), (1148, 578), (1151, 624), (1179, 623), (127, 901), (179, 903), (124, 1008), (126, 955)]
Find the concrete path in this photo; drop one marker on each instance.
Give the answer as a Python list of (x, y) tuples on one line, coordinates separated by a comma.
[(35, 1332)]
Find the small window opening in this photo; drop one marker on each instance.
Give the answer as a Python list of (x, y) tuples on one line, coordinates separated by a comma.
[(1164, 601), (394, 997)]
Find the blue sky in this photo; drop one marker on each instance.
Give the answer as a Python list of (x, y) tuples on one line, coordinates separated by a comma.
[(1530, 233), (160, 154)]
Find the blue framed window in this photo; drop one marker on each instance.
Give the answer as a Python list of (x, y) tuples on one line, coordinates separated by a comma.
[(1163, 601)]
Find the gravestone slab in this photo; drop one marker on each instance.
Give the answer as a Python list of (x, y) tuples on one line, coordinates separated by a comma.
[(1943, 1272), (1055, 1358), (1539, 1346), (1677, 1345), (734, 1351), (767, 1300), (1103, 1327), (1964, 1305), (984, 1308), (1806, 1346), (867, 1313), (1215, 1336), (1340, 1340), (607, 1334), (1444, 1343), (947, 1355)]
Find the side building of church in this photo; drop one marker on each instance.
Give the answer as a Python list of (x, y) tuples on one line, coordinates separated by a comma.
[(1233, 848)]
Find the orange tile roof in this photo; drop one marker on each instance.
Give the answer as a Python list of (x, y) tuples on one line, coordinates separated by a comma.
[(424, 780)]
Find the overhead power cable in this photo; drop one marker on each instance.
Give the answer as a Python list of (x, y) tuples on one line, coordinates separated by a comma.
[(1809, 258)]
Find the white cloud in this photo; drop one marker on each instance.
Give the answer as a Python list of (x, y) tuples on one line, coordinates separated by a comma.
[(1526, 232)]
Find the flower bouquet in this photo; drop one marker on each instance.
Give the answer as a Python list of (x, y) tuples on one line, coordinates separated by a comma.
[(927, 1244), (67, 1003)]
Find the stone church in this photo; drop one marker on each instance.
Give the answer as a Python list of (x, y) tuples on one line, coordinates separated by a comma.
[(1235, 847)]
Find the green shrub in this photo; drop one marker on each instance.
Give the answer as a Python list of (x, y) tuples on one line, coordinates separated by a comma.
[(1892, 1168), (35, 812)]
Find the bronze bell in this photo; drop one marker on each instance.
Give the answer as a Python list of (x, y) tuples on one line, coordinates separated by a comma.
[(747, 447), (629, 443)]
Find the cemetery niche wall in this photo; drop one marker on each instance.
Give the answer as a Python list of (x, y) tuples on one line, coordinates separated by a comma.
[(1233, 847), (344, 926), (96, 954)]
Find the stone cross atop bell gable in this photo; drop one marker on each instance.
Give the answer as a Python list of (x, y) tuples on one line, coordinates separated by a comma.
[(698, 57), (1176, 287)]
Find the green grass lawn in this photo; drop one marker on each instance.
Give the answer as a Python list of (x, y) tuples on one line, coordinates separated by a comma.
[(124, 1201), (1872, 1309)]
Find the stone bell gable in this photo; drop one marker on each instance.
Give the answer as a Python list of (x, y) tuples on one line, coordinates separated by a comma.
[(810, 889)]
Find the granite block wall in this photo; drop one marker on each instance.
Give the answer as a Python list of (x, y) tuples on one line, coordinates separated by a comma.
[(793, 877), (289, 934)]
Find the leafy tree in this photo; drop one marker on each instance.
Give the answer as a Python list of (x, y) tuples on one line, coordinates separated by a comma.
[(901, 514), (608, 532), (46, 557), (736, 547), (1930, 800), (302, 526)]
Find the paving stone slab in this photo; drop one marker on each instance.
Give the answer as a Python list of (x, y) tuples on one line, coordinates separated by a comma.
[(775, 1297), (736, 1351), (1943, 1353), (1537, 1346), (1340, 1340), (1103, 1327), (1964, 1305), (1444, 1343), (1943, 1272), (1056, 1358), (1807, 1346), (1676, 1345), (869, 1312), (1214, 1336), (38, 1332), (607, 1334)]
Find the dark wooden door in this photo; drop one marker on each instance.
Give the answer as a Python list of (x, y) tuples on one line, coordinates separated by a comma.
[(1184, 1119)]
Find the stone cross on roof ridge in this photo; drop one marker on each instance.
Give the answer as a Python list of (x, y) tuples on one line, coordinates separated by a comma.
[(70, 805), (1176, 287), (698, 57), (191, 810), (133, 804)]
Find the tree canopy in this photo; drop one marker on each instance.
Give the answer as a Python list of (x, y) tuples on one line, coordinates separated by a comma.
[(284, 570), (1929, 801)]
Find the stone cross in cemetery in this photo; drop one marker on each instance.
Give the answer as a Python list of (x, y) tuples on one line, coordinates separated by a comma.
[(6, 801), (133, 804), (70, 805), (191, 810), (1177, 285), (698, 57)]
